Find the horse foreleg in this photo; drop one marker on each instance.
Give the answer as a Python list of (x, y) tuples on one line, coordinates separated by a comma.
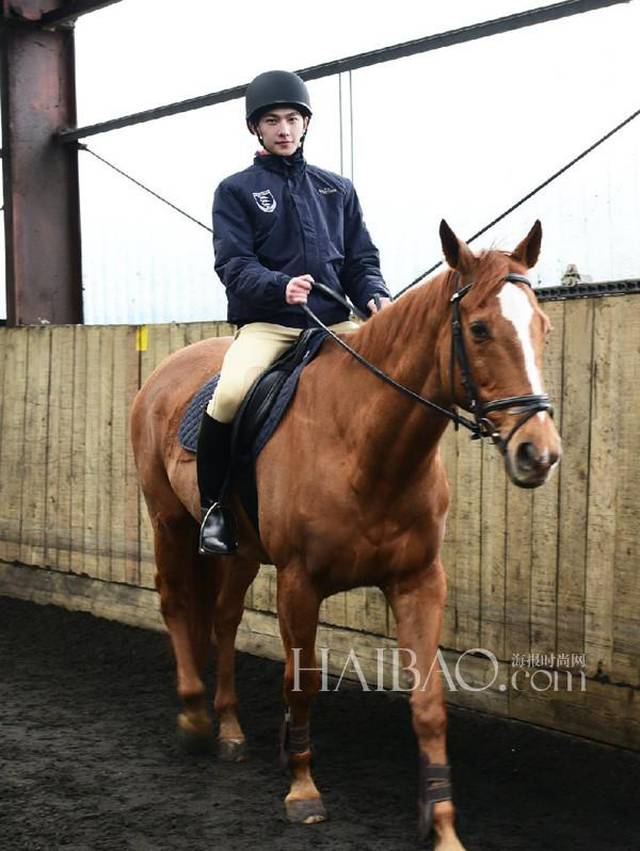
[(418, 603), (186, 603), (236, 575), (298, 606)]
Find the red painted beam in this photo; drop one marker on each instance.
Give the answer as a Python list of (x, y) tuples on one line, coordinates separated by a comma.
[(42, 208)]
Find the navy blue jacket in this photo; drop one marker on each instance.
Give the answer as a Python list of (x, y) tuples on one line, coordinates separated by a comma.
[(281, 218)]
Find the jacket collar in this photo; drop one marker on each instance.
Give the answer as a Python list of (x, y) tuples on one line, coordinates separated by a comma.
[(294, 164)]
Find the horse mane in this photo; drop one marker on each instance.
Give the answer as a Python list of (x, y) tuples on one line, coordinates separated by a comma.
[(427, 304)]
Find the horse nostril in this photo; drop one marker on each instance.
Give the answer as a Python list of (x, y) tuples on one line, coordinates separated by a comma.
[(526, 456)]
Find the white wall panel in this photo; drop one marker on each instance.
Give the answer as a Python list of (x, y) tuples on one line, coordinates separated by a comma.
[(464, 133)]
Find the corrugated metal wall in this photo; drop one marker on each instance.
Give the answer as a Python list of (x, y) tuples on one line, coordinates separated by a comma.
[(460, 133)]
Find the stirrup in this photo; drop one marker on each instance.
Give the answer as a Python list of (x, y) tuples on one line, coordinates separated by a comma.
[(218, 535)]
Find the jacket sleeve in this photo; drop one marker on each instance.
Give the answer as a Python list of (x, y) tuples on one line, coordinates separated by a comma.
[(235, 262), (361, 276)]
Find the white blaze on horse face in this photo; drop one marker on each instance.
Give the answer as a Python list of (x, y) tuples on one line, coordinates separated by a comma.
[(517, 308)]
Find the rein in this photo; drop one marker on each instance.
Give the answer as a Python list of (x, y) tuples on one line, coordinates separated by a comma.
[(482, 426)]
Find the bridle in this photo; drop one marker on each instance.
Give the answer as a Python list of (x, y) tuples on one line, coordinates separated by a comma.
[(482, 426)]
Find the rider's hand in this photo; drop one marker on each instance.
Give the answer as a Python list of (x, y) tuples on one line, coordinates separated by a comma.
[(384, 302), (298, 289)]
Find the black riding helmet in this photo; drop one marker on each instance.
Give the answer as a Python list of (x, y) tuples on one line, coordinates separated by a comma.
[(275, 88)]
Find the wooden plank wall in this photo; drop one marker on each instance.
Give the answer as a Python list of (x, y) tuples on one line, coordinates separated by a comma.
[(551, 571)]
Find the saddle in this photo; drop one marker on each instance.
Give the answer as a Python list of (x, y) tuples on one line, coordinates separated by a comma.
[(258, 416)]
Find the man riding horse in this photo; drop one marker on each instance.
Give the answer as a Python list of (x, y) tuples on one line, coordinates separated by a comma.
[(279, 226)]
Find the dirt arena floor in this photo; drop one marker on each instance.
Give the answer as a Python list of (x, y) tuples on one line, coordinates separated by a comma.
[(88, 760)]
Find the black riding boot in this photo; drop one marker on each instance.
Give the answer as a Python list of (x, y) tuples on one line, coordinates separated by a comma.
[(218, 534)]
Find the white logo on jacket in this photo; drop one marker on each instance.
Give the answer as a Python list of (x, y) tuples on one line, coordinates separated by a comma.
[(265, 201)]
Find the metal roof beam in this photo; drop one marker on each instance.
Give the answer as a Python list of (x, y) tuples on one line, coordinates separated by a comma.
[(48, 14), (72, 10), (509, 23)]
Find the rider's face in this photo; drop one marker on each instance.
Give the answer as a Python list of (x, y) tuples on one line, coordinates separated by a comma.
[(281, 130)]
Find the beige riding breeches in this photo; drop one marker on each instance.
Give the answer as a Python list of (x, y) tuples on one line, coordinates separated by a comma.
[(254, 348)]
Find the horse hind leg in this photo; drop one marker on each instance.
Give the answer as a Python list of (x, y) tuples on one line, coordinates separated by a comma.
[(198, 594), (187, 595), (236, 575)]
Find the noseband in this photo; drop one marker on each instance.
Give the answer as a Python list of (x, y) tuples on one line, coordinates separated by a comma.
[(482, 426), (526, 406)]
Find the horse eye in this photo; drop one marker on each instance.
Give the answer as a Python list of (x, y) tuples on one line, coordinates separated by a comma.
[(480, 331)]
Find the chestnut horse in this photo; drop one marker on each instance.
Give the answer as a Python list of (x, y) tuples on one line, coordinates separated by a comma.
[(352, 492)]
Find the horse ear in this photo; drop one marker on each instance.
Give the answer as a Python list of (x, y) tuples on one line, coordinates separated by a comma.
[(457, 253), (528, 251)]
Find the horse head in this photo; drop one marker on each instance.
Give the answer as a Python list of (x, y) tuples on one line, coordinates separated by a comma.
[(492, 353)]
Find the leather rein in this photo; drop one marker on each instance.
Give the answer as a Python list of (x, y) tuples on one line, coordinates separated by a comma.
[(482, 426)]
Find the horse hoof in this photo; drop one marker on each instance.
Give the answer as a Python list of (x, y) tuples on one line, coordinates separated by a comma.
[(194, 742), (310, 811), (232, 750)]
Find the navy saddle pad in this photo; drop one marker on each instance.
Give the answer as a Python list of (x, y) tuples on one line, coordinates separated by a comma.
[(264, 405), (258, 416)]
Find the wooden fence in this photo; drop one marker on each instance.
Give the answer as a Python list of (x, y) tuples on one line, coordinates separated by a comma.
[(553, 572)]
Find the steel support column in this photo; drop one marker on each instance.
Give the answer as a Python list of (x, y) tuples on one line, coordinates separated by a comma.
[(40, 175)]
